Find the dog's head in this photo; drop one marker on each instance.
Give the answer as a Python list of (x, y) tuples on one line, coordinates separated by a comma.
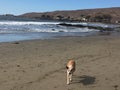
[(69, 70)]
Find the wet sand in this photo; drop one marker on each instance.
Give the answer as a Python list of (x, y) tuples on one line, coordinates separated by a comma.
[(40, 64)]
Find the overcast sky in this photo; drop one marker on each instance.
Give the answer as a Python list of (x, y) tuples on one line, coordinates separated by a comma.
[(24, 6)]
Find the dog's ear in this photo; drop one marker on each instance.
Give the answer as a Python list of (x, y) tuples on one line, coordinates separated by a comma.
[(67, 67)]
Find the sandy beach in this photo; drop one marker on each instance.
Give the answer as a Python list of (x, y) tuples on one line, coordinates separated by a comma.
[(40, 64)]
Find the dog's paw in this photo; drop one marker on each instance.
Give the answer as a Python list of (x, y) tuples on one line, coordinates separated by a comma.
[(68, 83)]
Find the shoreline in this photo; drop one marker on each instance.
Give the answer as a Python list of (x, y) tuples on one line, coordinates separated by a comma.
[(97, 34), (40, 64), (54, 36)]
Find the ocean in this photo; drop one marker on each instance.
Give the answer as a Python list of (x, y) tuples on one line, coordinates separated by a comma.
[(11, 31)]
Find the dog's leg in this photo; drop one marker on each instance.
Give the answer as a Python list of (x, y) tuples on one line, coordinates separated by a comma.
[(71, 77), (68, 78)]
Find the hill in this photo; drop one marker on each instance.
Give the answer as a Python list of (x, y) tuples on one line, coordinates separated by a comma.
[(13, 18), (110, 15)]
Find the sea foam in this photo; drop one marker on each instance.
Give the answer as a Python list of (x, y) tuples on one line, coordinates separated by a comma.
[(31, 26)]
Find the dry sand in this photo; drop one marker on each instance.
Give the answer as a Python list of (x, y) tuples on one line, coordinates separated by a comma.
[(40, 64)]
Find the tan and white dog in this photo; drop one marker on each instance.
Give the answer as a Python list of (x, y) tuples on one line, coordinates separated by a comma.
[(70, 70)]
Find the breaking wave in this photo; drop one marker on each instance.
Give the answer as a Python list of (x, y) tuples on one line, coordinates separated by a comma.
[(30, 26)]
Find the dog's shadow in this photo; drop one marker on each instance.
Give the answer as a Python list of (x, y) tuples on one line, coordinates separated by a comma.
[(85, 80)]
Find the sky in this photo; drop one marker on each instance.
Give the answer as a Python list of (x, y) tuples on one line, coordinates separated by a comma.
[(18, 7)]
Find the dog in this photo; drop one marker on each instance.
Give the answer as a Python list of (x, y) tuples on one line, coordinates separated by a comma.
[(70, 70)]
